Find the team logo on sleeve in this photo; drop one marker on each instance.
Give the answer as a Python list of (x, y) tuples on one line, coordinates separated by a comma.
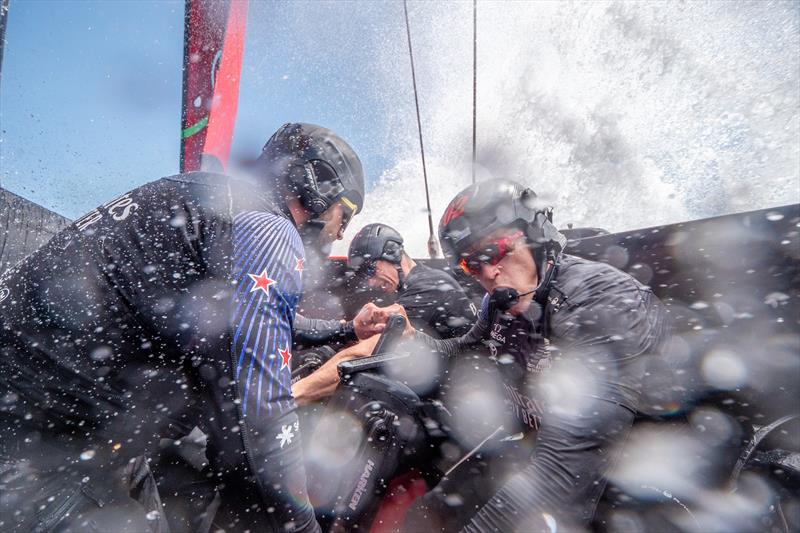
[(262, 282), (286, 357), (540, 361), (287, 434)]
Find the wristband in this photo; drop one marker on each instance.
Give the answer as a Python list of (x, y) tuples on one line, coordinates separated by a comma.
[(348, 331)]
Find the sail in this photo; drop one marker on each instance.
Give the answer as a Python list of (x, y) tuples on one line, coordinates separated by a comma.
[(212, 62)]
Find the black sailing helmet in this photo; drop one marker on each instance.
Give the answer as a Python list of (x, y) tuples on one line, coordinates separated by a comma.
[(487, 206), (316, 165), (373, 242)]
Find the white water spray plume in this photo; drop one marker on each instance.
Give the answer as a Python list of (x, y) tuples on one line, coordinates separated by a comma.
[(622, 115)]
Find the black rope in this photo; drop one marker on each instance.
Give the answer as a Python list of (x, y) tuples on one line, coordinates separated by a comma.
[(3, 23), (474, 81), (432, 247)]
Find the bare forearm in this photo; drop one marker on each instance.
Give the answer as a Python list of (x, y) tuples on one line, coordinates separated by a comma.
[(324, 381), (321, 383)]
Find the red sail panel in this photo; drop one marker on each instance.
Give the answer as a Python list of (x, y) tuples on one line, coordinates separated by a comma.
[(213, 45), (204, 34), (222, 118)]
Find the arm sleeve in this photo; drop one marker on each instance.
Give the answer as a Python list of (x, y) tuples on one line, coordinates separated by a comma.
[(456, 345), (452, 317), (311, 332), (268, 287), (611, 338), (562, 483)]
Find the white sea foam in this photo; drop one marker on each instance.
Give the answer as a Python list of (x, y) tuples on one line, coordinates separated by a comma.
[(623, 115)]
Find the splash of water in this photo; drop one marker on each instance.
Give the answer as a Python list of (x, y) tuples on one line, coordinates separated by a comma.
[(622, 115)]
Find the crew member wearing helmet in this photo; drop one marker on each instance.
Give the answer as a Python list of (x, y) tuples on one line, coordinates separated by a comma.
[(572, 339), (433, 300), (156, 331)]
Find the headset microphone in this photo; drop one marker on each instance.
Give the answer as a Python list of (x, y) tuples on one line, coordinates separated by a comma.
[(504, 298)]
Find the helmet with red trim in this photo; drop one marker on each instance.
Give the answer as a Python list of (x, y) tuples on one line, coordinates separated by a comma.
[(486, 206)]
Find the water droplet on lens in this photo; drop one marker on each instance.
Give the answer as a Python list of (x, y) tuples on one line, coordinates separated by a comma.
[(86, 455)]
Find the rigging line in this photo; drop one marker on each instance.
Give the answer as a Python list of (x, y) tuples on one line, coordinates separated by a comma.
[(432, 248), (474, 80), (3, 24)]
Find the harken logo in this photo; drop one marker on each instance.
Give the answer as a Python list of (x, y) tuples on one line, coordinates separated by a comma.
[(362, 484), (4, 293)]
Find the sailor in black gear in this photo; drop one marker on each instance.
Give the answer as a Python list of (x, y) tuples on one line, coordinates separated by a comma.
[(150, 343), (317, 168), (571, 338), (434, 301)]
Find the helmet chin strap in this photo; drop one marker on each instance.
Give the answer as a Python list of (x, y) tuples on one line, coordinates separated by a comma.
[(401, 277), (314, 224), (310, 233)]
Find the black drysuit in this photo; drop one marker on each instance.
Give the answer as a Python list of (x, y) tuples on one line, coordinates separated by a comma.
[(154, 336), (435, 303), (571, 368)]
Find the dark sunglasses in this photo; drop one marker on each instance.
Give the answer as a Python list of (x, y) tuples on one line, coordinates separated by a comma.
[(490, 254)]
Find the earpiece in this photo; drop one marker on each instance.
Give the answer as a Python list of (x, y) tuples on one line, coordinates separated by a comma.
[(303, 177), (391, 251)]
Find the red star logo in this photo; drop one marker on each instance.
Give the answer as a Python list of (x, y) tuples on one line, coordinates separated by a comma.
[(262, 282), (301, 265), (286, 356)]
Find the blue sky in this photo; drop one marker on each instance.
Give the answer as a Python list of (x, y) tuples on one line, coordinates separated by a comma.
[(90, 99), (91, 91)]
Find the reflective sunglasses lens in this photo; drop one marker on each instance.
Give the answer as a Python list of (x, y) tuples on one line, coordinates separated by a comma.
[(470, 265), (464, 265)]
